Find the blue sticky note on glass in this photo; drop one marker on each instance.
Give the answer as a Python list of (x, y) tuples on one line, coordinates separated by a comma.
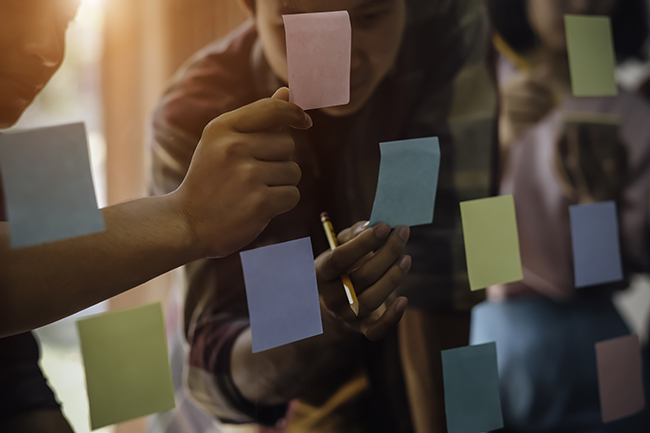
[(596, 246), (471, 381), (48, 186), (408, 181), (282, 294)]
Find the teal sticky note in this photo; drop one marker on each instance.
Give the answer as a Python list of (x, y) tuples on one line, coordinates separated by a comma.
[(591, 55), (408, 180), (126, 364), (48, 186), (471, 381)]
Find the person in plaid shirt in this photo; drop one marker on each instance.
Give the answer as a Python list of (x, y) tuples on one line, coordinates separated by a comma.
[(420, 68)]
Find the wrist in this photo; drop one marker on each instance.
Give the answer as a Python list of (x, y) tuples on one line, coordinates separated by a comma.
[(186, 238)]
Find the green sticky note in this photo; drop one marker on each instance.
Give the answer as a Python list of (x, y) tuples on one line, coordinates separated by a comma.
[(591, 55), (127, 365), (491, 241)]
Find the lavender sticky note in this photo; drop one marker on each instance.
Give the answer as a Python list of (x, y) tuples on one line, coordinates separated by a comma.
[(408, 180), (282, 294), (48, 186), (319, 53), (596, 248), (620, 377), (471, 381)]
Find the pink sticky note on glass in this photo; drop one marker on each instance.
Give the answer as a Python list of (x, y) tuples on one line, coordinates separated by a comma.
[(620, 377), (319, 52)]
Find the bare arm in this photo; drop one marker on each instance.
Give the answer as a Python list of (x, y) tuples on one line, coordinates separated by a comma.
[(241, 177), (279, 375)]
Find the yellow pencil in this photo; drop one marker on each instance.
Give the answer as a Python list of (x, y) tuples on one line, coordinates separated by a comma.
[(347, 284)]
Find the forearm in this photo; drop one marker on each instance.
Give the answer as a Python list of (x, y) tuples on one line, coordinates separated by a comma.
[(279, 375), (39, 285)]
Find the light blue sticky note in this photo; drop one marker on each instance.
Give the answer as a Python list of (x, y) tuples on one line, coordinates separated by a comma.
[(408, 180), (471, 381), (596, 247), (48, 187), (282, 294)]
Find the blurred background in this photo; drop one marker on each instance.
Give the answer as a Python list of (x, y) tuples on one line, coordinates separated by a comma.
[(120, 55)]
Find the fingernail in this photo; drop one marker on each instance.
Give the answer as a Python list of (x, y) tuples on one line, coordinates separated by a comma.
[(382, 231), (365, 225), (404, 233), (405, 263), (309, 121), (400, 305)]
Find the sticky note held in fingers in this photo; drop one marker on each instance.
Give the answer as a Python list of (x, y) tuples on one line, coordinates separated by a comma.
[(319, 50), (491, 241), (596, 245), (48, 186), (282, 294), (620, 377), (127, 365), (471, 383), (591, 55), (408, 180)]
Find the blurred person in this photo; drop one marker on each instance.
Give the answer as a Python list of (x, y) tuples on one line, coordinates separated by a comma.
[(408, 57), (240, 178), (545, 329)]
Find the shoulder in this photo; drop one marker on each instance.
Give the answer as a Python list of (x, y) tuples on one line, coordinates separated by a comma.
[(215, 80)]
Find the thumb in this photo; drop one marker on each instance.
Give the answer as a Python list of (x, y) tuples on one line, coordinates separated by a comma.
[(282, 93)]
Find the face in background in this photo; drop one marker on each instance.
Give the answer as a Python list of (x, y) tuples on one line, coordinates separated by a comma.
[(377, 30), (31, 50), (546, 17)]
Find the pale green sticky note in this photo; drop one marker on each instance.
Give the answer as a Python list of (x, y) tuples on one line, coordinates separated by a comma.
[(491, 241), (127, 365), (591, 55)]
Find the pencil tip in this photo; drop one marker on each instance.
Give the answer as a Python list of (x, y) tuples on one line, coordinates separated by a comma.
[(355, 308)]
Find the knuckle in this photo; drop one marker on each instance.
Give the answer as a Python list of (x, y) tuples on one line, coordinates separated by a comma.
[(395, 278), (396, 248), (334, 262)]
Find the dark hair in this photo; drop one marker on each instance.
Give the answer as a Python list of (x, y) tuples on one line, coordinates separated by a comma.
[(629, 26)]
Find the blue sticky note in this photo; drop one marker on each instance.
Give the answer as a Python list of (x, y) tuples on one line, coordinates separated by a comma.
[(282, 294), (48, 186), (471, 380), (596, 247), (408, 180)]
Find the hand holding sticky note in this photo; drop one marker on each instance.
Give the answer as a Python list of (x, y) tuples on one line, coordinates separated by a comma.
[(319, 53), (48, 186), (491, 241), (127, 365), (282, 294), (408, 180), (591, 55)]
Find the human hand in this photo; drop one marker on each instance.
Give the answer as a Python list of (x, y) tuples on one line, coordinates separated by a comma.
[(374, 259), (526, 100), (241, 175)]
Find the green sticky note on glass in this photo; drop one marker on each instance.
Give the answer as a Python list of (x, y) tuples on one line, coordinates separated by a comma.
[(491, 241), (127, 365), (591, 55)]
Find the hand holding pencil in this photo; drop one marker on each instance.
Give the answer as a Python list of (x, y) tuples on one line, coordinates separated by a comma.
[(371, 264)]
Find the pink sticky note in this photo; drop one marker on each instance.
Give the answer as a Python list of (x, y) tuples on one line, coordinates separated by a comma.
[(620, 377), (319, 52)]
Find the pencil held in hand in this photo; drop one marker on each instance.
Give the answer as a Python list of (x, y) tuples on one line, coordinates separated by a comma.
[(347, 283)]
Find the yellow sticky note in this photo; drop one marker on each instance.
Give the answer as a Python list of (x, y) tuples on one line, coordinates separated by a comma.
[(491, 241), (127, 365), (591, 55)]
